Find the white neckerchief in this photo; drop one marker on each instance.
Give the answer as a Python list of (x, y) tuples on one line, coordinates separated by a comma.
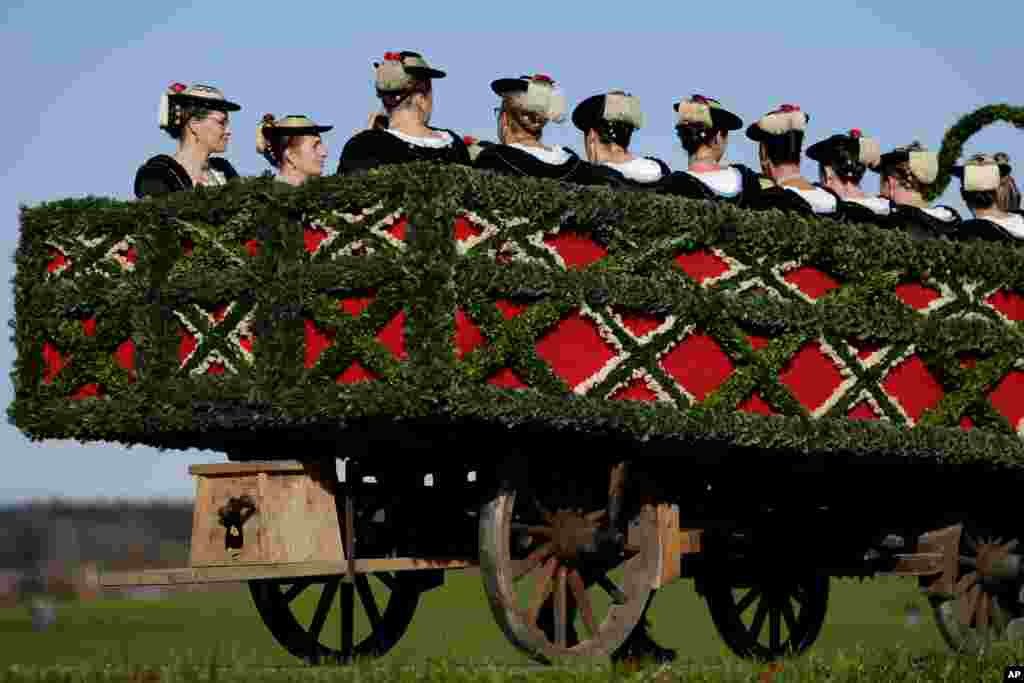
[(940, 212), (429, 141), (215, 178), (1014, 224), (821, 201), (639, 169), (555, 156), (725, 182), (879, 205)]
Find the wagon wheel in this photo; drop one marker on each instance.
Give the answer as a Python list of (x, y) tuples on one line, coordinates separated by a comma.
[(541, 567), (770, 617), (981, 607), (301, 618)]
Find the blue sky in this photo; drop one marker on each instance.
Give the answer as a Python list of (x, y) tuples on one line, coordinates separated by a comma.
[(83, 80)]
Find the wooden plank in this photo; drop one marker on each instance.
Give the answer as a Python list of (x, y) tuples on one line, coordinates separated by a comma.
[(917, 564), (228, 468), (667, 517), (277, 570)]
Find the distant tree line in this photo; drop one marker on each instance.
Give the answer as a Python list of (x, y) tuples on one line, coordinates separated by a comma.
[(109, 532)]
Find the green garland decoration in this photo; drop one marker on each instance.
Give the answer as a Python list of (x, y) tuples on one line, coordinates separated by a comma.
[(280, 395), (958, 135)]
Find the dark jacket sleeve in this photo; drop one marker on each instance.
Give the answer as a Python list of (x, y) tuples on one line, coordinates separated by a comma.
[(460, 153), (155, 179), (359, 154)]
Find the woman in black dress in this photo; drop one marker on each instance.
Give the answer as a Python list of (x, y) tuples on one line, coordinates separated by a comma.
[(607, 122), (779, 135), (292, 145), (983, 181), (528, 104), (197, 117), (703, 127), (404, 83), (843, 159), (905, 174)]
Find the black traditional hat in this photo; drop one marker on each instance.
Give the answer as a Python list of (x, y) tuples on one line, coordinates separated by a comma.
[(924, 165), (614, 106), (983, 172), (542, 95), (701, 110), (293, 124), (178, 95), (825, 151), (399, 70), (786, 119)]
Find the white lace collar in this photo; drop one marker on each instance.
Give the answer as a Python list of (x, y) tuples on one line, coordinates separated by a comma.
[(725, 182), (939, 212), (879, 205), (641, 170), (821, 201), (430, 141), (555, 156), (1014, 224)]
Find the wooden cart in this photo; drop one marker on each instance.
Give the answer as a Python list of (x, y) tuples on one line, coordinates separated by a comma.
[(607, 392)]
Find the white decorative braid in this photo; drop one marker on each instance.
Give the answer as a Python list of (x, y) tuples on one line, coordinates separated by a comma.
[(652, 384), (608, 335), (849, 379)]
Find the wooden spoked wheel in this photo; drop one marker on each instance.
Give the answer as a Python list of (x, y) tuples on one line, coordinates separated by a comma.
[(366, 617), (980, 610), (770, 617), (542, 568)]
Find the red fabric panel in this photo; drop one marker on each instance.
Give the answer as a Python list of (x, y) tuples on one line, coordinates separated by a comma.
[(392, 336), (316, 343), (88, 391), (354, 305), (698, 364), (578, 251), (637, 323), (187, 344), (89, 327), (811, 281), (124, 356), (966, 423), (913, 386), (252, 247), (862, 411), (1009, 303), (506, 379), (312, 237), (916, 295), (467, 334), (637, 390), (397, 229), (1008, 397), (57, 260), (355, 373), (865, 349), (702, 265), (509, 309), (465, 228), (758, 342), (53, 362), (811, 376), (574, 349), (756, 404)]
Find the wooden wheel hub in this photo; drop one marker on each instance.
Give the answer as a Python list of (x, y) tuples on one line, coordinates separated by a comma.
[(570, 532)]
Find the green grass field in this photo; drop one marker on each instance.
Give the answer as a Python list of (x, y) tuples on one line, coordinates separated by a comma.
[(453, 623)]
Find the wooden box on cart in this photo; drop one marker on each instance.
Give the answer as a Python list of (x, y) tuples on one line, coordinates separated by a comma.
[(272, 512)]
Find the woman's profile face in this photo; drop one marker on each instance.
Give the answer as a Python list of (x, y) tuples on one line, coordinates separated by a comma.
[(307, 155), (212, 132)]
